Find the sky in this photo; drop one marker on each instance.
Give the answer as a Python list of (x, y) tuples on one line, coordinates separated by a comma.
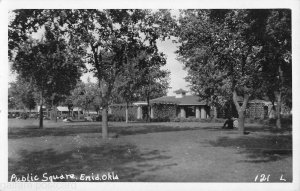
[(174, 66)]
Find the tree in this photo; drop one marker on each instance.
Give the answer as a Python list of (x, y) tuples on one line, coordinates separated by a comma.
[(207, 82), (154, 82), (144, 80), (218, 39), (127, 86), (69, 104), (86, 95), (48, 64), (271, 30), (107, 37), (21, 95)]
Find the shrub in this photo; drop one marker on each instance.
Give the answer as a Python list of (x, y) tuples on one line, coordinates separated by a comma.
[(97, 118), (194, 119), (141, 120), (24, 115), (176, 119), (115, 118), (161, 119)]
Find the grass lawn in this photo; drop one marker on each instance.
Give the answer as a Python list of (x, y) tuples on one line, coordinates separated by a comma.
[(149, 152)]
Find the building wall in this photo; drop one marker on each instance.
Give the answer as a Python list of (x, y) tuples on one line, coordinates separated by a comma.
[(253, 110), (171, 111), (256, 110)]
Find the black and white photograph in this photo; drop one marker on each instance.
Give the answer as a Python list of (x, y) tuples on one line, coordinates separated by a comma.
[(106, 95)]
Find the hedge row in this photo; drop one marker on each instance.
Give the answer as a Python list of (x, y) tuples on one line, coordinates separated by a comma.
[(286, 121), (119, 113), (194, 119)]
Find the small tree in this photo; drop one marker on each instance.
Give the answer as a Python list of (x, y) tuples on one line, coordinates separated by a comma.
[(86, 95), (154, 82), (143, 80), (21, 94), (127, 86)]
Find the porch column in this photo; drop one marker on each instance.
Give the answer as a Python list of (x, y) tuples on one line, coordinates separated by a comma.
[(203, 112), (152, 112), (139, 112), (197, 112), (182, 112)]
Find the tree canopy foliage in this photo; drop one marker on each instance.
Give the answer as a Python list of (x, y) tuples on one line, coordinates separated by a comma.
[(21, 95), (229, 52), (49, 65), (108, 39), (86, 96)]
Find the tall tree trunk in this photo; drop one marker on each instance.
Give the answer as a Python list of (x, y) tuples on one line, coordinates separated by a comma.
[(126, 113), (241, 121), (278, 111), (105, 95), (55, 113), (53, 116), (241, 111), (278, 97), (214, 113), (41, 112), (148, 110), (104, 123)]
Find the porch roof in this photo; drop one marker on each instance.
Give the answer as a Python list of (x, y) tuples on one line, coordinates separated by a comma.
[(185, 100), (62, 108)]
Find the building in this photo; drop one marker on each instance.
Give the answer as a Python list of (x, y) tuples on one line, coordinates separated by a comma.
[(187, 106), (181, 106)]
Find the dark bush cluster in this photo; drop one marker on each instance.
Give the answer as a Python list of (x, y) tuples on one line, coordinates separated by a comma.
[(161, 119), (112, 117), (24, 115), (194, 119)]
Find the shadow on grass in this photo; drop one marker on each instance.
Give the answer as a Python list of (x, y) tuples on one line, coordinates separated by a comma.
[(77, 128), (251, 128), (15, 133), (87, 160), (264, 148)]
